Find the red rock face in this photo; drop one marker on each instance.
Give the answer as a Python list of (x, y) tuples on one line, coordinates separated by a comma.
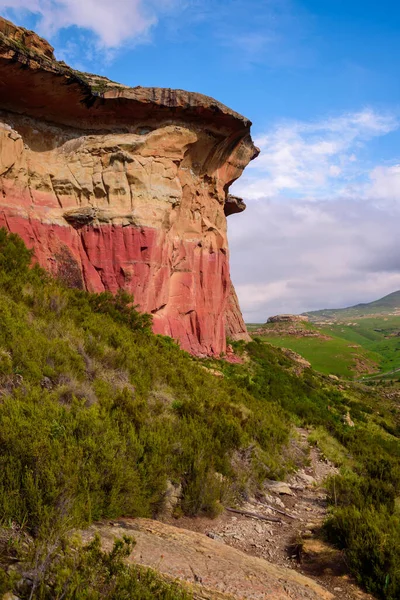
[(186, 305), (234, 325), (127, 190)]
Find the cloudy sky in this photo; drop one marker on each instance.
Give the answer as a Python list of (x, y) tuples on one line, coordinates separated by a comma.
[(319, 79)]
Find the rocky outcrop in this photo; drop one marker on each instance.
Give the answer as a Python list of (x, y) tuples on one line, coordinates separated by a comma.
[(24, 39), (116, 187), (233, 205), (213, 570), (235, 327), (288, 319)]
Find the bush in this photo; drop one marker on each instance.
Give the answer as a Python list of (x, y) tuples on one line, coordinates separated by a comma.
[(97, 414), (81, 436), (372, 541)]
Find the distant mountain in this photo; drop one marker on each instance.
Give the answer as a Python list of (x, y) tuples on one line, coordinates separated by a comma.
[(387, 305)]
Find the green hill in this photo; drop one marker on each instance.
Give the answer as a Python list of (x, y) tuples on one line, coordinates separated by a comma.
[(327, 350), (352, 348), (97, 415), (374, 326), (377, 334), (386, 305)]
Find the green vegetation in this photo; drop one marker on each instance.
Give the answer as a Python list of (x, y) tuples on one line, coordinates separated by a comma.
[(330, 447), (326, 350), (73, 571), (364, 518), (351, 349), (97, 414), (379, 335), (365, 523), (352, 341), (99, 86)]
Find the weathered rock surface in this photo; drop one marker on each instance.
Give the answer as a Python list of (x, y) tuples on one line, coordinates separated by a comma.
[(118, 187), (235, 327), (214, 569), (233, 205), (288, 319)]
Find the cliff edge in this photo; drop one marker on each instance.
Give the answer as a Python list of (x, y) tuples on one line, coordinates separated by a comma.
[(117, 187)]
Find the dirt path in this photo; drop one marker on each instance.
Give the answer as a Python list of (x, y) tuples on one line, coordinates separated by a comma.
[(293, 542)]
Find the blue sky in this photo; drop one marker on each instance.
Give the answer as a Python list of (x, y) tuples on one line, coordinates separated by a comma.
[(319, 79)]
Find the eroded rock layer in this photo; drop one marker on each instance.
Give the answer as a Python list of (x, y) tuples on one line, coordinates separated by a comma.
[(118, 187), (212, 570)]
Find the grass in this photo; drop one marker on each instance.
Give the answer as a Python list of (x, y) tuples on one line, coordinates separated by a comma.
[(329, 353), (331, 448), (351, 349), (378, 335)]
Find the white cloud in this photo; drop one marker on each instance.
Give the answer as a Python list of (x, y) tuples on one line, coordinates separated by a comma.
[(385, 183), (309, 158), (321, 225), (296, 256), (113, 22)]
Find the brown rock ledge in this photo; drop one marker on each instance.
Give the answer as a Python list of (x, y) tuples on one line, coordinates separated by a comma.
[(214, 570)]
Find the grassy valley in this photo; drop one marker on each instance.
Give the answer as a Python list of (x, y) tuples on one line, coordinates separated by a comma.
[(324, 347), (378, 334), (350, 343)]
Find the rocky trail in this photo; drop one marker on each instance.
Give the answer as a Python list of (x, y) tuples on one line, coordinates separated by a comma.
[(295, 541), (277, 554)]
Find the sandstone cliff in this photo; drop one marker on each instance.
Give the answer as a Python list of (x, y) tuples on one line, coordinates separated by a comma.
[(123, 187)]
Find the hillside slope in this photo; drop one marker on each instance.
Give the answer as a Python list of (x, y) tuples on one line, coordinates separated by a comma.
[(100, 418), (389, 304)]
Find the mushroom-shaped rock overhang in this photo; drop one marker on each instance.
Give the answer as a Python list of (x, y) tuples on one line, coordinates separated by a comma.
[(117, 187)]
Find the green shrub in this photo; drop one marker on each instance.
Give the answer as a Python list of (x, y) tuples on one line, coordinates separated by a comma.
[(81, 436), (97, 414), (364, 519), (372, 542)]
